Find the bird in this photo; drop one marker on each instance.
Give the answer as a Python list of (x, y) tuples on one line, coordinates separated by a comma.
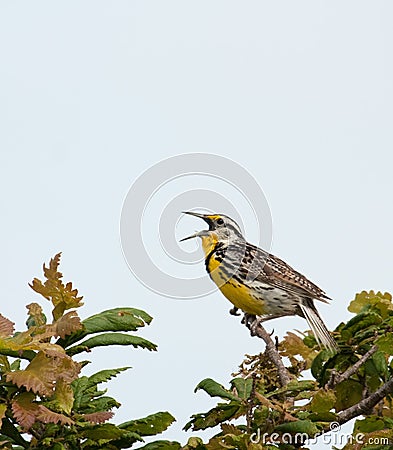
[(257, 282)]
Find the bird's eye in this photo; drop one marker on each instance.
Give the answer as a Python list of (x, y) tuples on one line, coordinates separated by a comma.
[(220, 221)]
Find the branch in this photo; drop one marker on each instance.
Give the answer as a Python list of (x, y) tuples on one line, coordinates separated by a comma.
[(363, 406), (339, 377), (257, 330)]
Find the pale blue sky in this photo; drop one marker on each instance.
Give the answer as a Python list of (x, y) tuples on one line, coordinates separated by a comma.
[(93, 93)]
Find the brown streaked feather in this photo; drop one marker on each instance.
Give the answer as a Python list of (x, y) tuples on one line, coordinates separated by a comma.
[(270, 269)]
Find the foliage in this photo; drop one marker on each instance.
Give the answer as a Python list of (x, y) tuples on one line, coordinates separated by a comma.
[(272, 416), (45, 403)]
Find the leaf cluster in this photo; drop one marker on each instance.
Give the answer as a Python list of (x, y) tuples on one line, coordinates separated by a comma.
[(45, 402)]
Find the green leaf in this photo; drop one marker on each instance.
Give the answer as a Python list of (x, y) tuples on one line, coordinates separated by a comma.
[(103, 376), (348, 393), (243, 387), (116, 319), (150, 425), (161, 445), (215, 389), (219, 414), (323, 401), (300, 426), (373, 423), (294, 387), (106, 431), (380, 363), (106, 339), (359, 323), (385, 343)]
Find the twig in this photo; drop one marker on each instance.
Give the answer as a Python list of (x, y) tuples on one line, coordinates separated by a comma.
[(339, 377), (364, 405), (271, 351)]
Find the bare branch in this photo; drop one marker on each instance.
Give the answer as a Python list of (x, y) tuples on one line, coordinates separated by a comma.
[(366, 404), (271, 351), (339, 377)]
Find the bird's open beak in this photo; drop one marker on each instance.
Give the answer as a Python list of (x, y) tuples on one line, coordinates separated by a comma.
[(201, 233)]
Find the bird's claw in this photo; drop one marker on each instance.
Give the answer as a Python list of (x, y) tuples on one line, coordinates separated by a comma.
[(248, 320), (234, 311)]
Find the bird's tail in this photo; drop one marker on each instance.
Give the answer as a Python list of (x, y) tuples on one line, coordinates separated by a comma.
[(317, 326)]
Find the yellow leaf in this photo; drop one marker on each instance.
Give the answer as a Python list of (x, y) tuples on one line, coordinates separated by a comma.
[(64, 396), (62, 296), (3, 409), (44, 370)]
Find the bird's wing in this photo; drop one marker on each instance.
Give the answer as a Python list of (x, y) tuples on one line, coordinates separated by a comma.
[(274, 271)]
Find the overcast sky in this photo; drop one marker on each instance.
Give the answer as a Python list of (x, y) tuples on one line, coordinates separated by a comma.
[(94, 93)]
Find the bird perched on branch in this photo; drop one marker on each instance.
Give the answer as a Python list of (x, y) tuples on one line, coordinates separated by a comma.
[(258, 283)]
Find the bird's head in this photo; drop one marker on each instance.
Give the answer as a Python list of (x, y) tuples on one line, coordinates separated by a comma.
[(221, 229)]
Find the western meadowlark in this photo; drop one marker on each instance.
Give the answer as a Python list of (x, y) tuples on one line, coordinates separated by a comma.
[(258, 283)]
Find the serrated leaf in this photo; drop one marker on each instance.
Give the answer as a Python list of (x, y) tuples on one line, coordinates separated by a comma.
[(108, 339), (116, 319), (63, 296), (24, 410), (45, 415), (215, 389), (293, 345), (103, 376), (380, 302), (150, 425), (98, 417), (6, 326), (36, 317), (67, 324), (43, 371)]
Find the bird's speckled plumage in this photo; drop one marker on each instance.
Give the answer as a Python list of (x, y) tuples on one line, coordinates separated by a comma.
[(256, 281)]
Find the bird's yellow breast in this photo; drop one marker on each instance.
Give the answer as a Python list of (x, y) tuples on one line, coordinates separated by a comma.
[(237, 293)]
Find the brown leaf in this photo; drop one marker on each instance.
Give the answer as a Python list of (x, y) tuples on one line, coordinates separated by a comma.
[(68, 324), (36, 315), (24, 410), (47, 416), (43, 371), (6, 326), (98, 417)]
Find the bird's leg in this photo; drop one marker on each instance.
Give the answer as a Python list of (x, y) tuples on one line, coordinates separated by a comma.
[(234, 311)]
